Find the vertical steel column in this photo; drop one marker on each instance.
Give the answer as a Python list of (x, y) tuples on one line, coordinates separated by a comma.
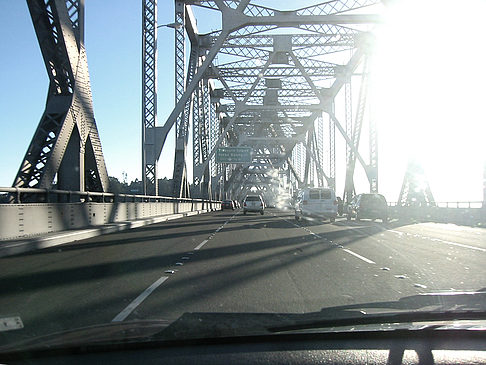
[(349, 188), (332, 150), (300, 158), (181, 184), (308, 142), (201, 139), (348, 105), (484, 186), (149, 96), (213, 135), (320, 143), (373, 141), (205, 137), (197, 117), (318, 146), (313, 157)]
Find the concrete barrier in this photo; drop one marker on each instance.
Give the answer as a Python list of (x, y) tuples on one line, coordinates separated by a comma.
[(28, 220)]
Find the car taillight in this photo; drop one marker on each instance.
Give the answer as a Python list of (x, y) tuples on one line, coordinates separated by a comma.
[(304, 202), (261, 204), (244, 204)]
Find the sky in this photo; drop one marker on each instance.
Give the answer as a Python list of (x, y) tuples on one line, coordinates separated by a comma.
[(428, 81)]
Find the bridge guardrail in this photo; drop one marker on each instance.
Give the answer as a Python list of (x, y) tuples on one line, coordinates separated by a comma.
[(469, 212), (14, 195), (452, 204), (32, 212)]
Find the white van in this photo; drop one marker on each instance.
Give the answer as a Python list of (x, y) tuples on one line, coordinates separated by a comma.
[(316, 203)]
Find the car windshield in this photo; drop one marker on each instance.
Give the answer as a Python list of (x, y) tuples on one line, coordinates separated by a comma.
[(373, 199), (326, 194), (314, 194), (163, 160)]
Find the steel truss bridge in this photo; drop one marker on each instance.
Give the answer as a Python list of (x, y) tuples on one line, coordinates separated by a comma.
[(268, 80)]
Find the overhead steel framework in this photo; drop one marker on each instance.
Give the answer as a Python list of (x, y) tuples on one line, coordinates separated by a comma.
[(263, 80), (65, 151)]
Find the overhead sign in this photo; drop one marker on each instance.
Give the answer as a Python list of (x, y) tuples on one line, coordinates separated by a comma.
[(233, 155)]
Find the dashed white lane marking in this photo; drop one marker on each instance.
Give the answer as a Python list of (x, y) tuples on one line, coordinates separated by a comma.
[(129, 309), (330, 242), (439, 240), (359, 256), (136, 302), (198, 247)]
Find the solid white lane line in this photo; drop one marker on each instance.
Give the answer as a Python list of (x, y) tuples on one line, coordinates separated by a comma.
[(459, 245), (129, 309), (439, 240), (359, 256), (198, 247)]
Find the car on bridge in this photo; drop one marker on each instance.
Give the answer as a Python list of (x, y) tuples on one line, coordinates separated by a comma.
[(368, 206), (228, 204), (253, 203), (320, 203)]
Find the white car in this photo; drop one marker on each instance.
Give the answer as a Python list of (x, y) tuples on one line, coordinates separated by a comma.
[(253, 203), (318, 203)]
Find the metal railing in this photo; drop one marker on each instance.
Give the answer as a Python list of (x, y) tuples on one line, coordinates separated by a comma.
[(465, 212), (450, 204), (34, 195), (30, 212)]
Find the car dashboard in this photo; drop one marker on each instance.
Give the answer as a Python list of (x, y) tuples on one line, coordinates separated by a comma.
[(376, 347)]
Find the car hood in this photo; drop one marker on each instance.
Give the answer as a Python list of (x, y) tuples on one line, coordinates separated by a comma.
[(442, 310)]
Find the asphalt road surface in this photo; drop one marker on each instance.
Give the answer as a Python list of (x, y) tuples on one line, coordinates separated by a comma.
[(230, 262)]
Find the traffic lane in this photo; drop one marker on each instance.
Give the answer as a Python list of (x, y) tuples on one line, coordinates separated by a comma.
[(426, 264), (274, 267), (291, 279), (447, 233), (438, 264), (90, 281), (58, 265), (212, 279)]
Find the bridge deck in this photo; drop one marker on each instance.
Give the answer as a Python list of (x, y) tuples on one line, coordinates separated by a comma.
[(227, 262)]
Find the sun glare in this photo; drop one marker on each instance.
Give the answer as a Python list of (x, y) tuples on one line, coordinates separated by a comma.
[(429, 79)]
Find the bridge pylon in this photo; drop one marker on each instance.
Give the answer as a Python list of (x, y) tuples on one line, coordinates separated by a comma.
[(415, 188), (66, 146)]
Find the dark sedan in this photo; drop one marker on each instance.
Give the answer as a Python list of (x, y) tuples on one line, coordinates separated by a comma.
[(371, 206), (227, 204)]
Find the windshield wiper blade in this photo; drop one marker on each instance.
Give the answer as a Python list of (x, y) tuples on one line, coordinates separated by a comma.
[(360, 319)]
